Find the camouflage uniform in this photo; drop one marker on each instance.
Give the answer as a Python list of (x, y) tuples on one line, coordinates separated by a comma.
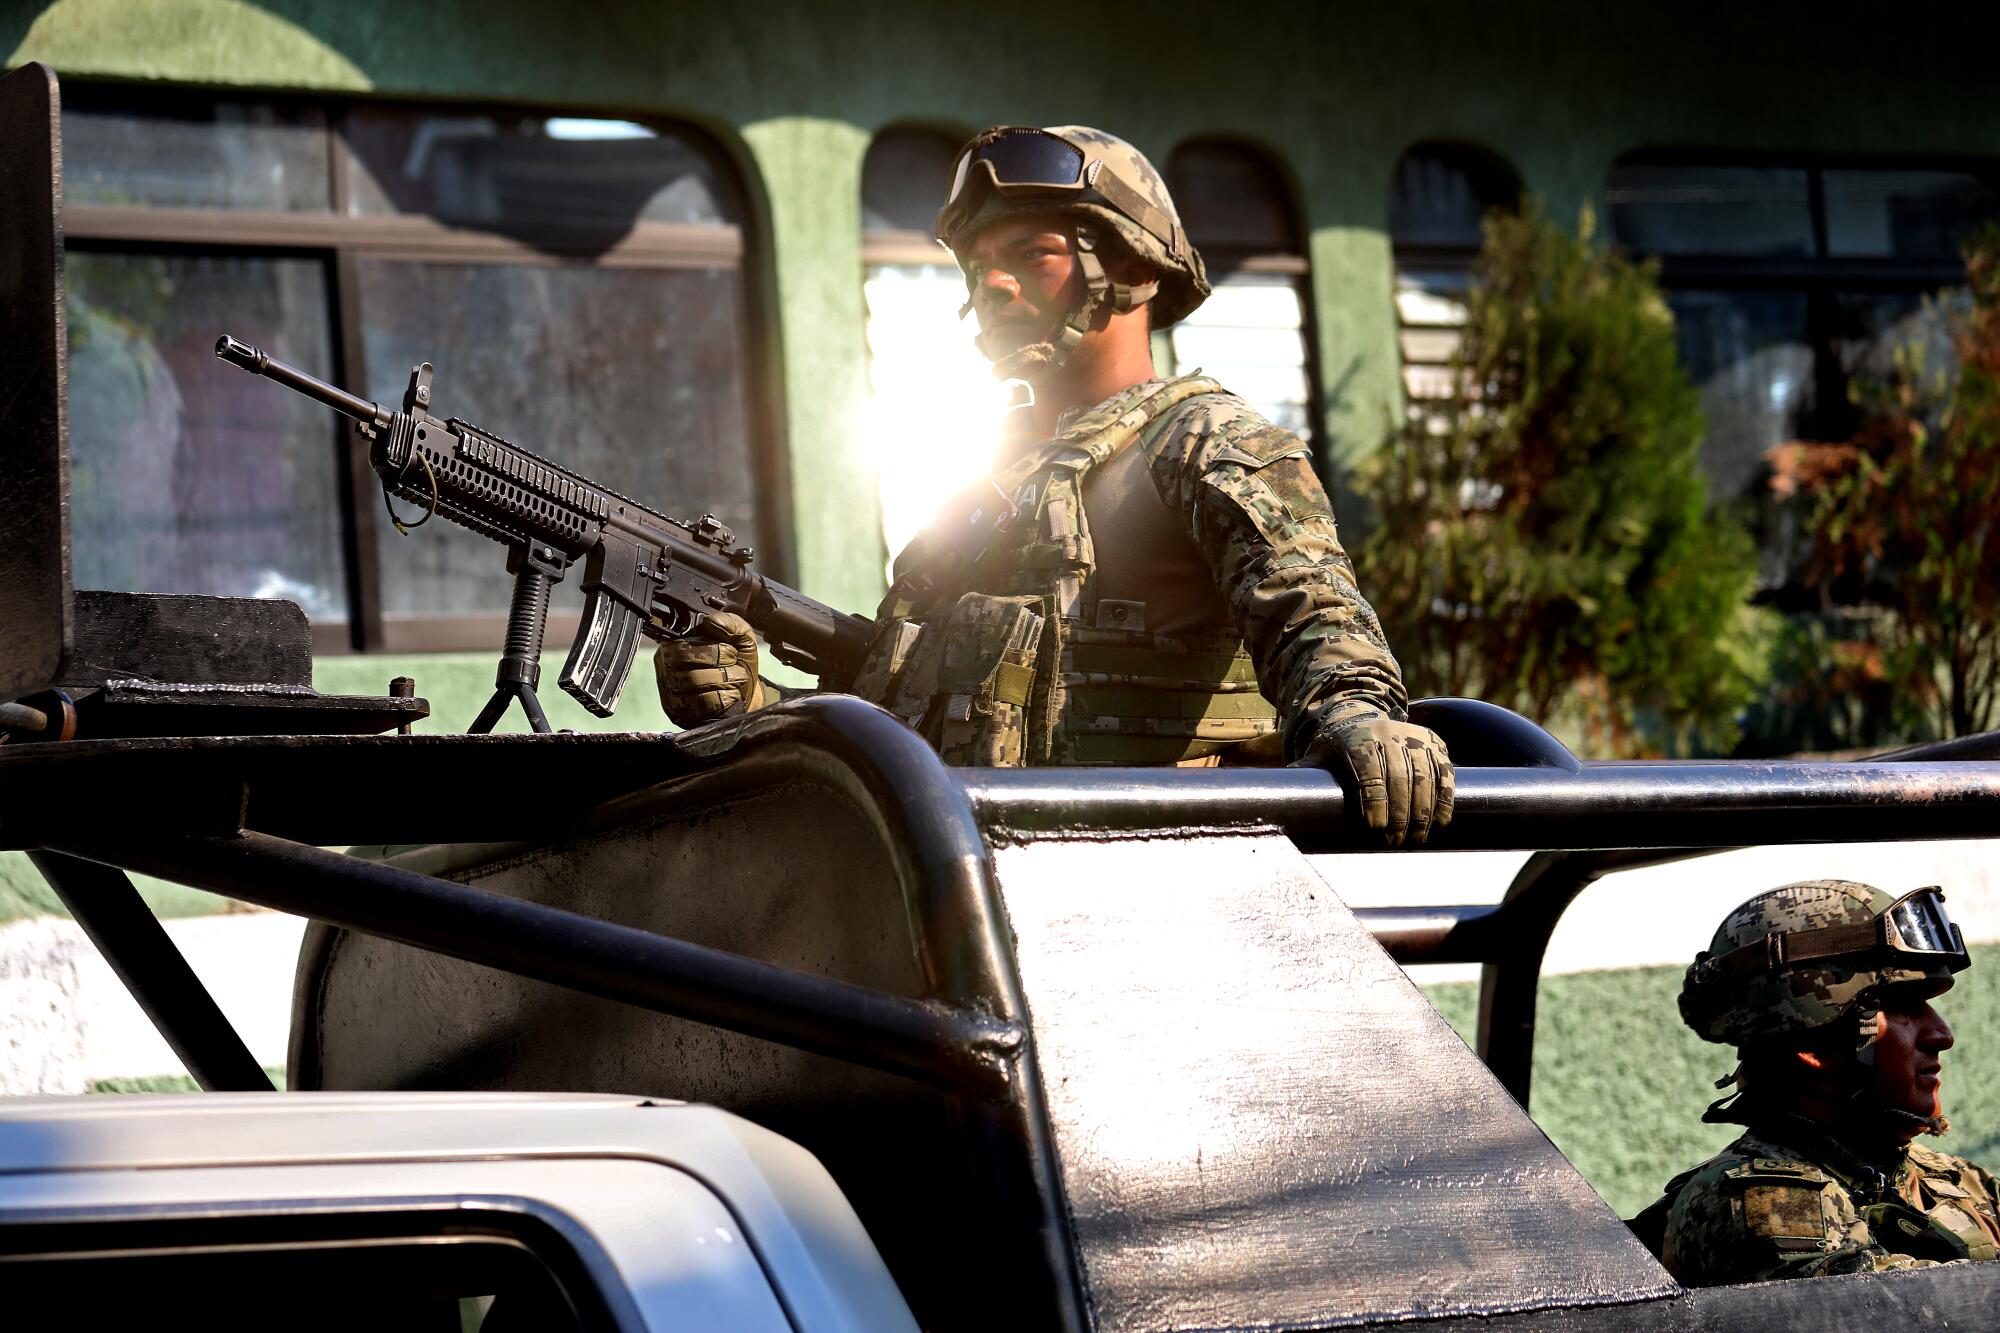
[(1787, 1200), (1014, 656)]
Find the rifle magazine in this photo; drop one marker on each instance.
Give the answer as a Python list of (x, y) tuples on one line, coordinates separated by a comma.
[(600, 661)]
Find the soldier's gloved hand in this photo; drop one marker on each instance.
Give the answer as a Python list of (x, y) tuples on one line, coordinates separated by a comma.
[(711, 673), (1398, 771)]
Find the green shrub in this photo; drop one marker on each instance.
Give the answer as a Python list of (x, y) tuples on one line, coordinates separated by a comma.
[(1905, 515), (1545, 539)]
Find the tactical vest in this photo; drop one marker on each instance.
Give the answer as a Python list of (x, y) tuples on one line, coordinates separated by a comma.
[(992, 642)]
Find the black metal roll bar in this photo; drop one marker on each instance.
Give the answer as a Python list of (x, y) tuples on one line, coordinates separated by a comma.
[(1511, 939), (956, 1048), (254, 806)]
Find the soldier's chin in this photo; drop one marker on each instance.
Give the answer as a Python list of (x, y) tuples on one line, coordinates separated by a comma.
[(1005, 341)]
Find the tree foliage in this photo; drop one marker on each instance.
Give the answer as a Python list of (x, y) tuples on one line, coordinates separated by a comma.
[(1905, 515), (1545, 539)]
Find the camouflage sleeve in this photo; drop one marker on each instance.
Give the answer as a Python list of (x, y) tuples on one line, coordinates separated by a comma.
[(1264, 525), (1730, 1227)]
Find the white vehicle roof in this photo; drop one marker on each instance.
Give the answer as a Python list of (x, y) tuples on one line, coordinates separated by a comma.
[(737, 1199)]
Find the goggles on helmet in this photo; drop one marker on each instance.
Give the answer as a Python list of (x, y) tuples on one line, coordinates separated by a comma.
[(1021, 162), (1912, 932)]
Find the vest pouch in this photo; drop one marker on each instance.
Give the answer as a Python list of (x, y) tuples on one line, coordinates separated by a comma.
[(1965, 1225), (985, 677), (1952, 1208), (1138, 698), (882, 671), (1899, 1227)]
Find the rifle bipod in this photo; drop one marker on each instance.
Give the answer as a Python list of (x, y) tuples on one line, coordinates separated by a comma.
[(520, 667)]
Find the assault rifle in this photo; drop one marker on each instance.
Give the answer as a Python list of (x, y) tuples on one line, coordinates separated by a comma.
[(643, 573)]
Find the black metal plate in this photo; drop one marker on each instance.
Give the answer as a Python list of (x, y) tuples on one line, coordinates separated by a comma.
[(176, 637), (36, 628), (1261, 1122), (133, 711)]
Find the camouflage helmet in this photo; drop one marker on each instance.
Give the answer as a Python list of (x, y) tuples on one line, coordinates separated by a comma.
[(1013, 169), (1805, 955)]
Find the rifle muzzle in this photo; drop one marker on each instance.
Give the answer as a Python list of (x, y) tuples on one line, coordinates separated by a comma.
[(245, 357)]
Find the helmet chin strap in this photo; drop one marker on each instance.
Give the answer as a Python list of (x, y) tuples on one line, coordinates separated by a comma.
[(1039, 360)]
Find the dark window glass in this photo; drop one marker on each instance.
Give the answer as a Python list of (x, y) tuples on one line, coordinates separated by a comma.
[(1441, 192), (432, 1284), (903, 180), (186, 476), (1904, 214), (1672, 209), (632, 377), (1232, 198), (503, 171), (1751, 356), (195, 155)]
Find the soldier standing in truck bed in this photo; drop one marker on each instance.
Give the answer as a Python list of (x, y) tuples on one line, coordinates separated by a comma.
[(1825, 989), (1151, 574)]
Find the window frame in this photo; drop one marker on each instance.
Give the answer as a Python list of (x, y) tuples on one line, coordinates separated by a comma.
[(1471, 160), (903, 245), (339, 240), (1802, 273), (45, 1244)]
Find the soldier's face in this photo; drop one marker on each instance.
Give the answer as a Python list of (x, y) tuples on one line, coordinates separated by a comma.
[(1023, 273), (1907, 1064)]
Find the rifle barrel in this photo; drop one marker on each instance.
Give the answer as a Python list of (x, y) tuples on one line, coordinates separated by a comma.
[(245, 357)]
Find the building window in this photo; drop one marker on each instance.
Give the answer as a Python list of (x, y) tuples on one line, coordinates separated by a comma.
[(1787, 280), (577, 281), (1438, 199), (931, 421), (1253, 333)]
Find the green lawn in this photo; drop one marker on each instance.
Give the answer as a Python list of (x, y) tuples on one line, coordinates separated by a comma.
[(24, 893), (171, 1082), (1620, 1085)]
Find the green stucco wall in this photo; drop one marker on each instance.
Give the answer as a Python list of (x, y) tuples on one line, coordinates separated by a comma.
[(794, 89)]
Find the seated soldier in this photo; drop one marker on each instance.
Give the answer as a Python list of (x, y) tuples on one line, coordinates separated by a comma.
[(1824, 987)]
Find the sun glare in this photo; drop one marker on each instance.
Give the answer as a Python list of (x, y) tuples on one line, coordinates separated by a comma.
[(932, 419)]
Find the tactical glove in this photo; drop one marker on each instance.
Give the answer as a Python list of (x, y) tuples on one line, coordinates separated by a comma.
[(712, 673), (1398, 771)]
